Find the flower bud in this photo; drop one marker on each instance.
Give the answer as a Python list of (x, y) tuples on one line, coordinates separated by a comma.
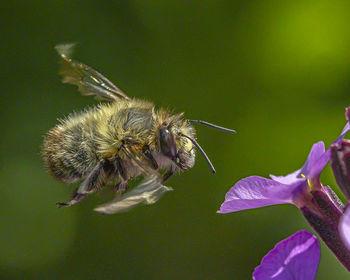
[(347, 113), (340, 158)]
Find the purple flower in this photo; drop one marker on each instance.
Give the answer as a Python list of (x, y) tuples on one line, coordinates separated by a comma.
[(294, 258), (344, 228), (255, 191), (341, 169), (341, 165), (319, 204)]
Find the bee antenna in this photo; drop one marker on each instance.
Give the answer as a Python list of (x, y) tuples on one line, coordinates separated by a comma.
[(224, 129), (201, 151)]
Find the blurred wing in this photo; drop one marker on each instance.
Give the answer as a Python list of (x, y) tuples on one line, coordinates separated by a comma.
[(148, 191), (88, 80)]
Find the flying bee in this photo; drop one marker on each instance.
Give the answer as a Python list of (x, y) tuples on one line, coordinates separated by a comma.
[(117, 141)]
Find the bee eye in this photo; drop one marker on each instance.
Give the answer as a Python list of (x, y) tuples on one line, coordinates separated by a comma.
[(167, 143)]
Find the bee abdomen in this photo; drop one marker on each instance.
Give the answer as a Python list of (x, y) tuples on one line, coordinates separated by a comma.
[(68, 154)]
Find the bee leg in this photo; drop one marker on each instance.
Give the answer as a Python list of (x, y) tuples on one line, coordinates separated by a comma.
[(148, 154), (120, 188), (168, 174), (123, 184), (120, 168), (76, 198), (95, 180)]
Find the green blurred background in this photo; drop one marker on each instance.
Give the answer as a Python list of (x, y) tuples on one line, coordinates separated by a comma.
[(276, 71)]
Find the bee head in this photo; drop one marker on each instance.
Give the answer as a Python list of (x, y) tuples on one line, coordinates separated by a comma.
[(173, 145), (177, 141)]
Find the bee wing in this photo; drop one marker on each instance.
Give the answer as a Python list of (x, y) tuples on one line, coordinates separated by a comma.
[(148, 191), (88, 80)]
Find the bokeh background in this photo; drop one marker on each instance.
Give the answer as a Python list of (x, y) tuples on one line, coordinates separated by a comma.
[(276, 71)]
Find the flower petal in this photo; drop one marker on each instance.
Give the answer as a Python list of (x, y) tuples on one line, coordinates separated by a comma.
[(315, 163), (254, 191), (288, 179), (294, 258), (344, 227), (316, 152)]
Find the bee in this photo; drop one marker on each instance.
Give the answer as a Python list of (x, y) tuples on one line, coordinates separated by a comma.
[(116, 141)]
